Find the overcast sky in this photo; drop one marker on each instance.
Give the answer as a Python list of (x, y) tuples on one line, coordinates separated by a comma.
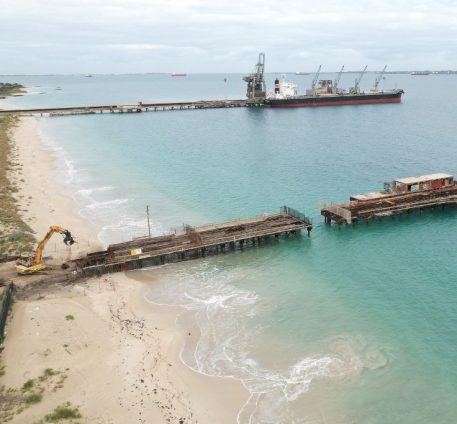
[(104, 36)]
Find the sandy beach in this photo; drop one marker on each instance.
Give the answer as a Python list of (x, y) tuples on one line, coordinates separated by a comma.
[(116, 355), (41, 198)]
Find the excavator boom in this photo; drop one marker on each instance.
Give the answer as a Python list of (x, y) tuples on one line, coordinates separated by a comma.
[(37, 262)]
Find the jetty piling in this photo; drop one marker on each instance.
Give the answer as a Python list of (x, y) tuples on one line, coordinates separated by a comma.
[(389, 205), (191, 242)]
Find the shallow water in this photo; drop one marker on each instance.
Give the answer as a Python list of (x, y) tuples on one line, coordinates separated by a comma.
[(355, 325)]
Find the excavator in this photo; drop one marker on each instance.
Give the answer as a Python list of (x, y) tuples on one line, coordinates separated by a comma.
[(36, 264)]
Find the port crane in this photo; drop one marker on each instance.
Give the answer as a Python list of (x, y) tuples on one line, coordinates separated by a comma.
[(256, 81), (379, 78), (36, 263), (356, 88), (313, 84), (337, 79)]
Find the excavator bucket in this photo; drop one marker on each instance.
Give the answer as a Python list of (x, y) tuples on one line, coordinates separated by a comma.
[(68, 239)]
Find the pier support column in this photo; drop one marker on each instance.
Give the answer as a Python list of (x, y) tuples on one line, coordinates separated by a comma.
[(308, 229)]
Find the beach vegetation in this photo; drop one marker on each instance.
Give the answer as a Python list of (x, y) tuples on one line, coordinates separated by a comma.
[(28, 385), (69, 317), (48, 372), (33, 398), (63, 412), (14, 401), (16, 236), (10, 89)]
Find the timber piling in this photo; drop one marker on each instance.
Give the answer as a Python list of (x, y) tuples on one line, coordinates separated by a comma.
[(403, 196), (193, 242)]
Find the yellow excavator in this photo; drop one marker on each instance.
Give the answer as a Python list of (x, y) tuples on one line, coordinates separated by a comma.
[(36, 263)]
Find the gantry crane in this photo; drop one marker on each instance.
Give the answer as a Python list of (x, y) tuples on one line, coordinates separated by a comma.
[(337, 79), (379, 78), (316, 77), (356, 88), (256, 82)]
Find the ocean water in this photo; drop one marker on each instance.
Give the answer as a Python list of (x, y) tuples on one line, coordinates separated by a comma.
[(351, 325)]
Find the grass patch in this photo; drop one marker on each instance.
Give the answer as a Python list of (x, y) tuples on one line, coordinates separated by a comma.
[(15, 235), (28, 385), (63, 412), (48, 372), (69, 317), (14, 401), (33, 398)]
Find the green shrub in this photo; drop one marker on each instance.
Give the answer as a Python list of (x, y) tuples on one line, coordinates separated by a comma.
[(48, 372), (33, 398), (62, 412), (28, 385)]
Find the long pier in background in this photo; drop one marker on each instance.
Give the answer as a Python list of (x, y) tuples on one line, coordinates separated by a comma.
[(134, 108), (192, 243)]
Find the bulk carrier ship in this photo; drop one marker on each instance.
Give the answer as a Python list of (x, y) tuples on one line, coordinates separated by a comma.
[(323, 92)]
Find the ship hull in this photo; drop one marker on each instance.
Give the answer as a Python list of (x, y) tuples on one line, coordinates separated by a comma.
[(346, 99)]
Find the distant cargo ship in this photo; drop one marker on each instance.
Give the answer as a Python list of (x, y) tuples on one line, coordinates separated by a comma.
[(421, 73), (178, 74), (330, 98), (327, 93), (323, 92)]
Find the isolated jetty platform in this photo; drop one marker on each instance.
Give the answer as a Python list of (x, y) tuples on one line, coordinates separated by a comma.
[(193, 242), (403, 195), (134, 108)]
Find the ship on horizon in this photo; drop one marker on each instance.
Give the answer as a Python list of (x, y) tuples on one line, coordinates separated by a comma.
[(421, 73), (178, 74), (324, 92)]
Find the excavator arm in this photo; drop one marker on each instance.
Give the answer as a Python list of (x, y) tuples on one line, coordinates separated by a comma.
[(68, 240), (37, 263)]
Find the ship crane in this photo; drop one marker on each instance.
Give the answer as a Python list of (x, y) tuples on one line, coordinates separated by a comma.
[(356, 88), (256, 82), (313, 84), (337, 79), (379, 78)]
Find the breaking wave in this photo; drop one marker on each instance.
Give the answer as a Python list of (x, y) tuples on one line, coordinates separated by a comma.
[(228, 321)]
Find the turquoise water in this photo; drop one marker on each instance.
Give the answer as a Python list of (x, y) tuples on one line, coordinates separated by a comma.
[(356, 325)]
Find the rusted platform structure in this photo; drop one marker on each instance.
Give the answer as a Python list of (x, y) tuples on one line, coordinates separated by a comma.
[(135, 108), (401, 196), (193, 242)]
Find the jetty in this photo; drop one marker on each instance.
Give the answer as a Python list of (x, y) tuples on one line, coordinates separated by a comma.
[(403, 195), (134, 108), (193, 242)]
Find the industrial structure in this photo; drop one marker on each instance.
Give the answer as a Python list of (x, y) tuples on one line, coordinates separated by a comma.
[(402, 195), (194, 242), (256, 88)]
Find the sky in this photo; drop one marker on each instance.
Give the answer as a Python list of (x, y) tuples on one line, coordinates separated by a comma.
[(123, 36)]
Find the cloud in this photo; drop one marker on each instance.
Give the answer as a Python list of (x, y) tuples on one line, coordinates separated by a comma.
[(210, 36)]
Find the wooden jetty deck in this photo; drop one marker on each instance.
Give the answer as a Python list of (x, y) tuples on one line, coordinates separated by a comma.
[(353, 211), (134, 108), (193, 242)]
